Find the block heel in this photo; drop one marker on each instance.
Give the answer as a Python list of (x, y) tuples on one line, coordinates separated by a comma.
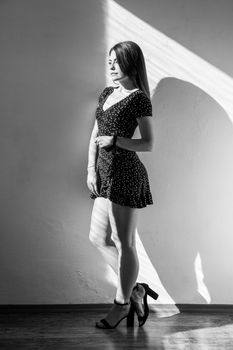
[(130, 317), (143, 297)]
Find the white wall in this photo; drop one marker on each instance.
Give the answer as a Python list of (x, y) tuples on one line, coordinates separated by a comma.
[(51, 74), (52, 69)]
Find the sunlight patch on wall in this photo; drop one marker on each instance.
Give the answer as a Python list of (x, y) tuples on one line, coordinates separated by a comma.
[(165, 57), (201, 287)]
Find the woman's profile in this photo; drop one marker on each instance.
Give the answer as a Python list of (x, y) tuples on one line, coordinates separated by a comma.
[(118, 179)]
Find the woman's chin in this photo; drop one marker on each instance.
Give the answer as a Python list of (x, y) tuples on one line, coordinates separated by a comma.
[(114, 78)]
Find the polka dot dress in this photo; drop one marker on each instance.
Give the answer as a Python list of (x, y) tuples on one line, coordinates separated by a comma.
[(122, 176)]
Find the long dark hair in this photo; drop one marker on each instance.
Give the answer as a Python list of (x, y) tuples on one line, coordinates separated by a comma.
[(132, 63)]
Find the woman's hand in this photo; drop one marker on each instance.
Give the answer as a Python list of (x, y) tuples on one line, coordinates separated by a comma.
[(92, 181), (104, 141)]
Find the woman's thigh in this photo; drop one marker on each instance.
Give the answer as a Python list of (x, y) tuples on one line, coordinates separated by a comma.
[(123, 221), (100, 229)]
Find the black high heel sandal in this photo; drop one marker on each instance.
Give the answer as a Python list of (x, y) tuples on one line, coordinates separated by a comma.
[(129, 316), (152, 294)]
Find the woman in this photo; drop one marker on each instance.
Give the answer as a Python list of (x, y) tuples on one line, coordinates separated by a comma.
[(118, 180)]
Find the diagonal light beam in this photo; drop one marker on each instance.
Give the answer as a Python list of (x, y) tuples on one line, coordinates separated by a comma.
[(165, 57)]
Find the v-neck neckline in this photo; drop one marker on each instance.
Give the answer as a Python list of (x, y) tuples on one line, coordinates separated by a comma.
[(105, 110)]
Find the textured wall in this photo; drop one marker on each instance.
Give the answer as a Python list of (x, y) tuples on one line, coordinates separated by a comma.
[(52, 69), (51, 73)]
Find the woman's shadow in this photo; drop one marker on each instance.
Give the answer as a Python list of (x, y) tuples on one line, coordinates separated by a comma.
[(187, 233)]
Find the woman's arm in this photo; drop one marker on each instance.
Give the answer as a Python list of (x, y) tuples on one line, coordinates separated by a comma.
[(92, 151), (144, 144), (91, 167)]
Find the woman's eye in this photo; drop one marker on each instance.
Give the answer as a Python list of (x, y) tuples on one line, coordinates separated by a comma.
[(115, 62)]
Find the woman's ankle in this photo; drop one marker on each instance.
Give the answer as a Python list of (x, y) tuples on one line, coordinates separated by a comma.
[(121, 301)]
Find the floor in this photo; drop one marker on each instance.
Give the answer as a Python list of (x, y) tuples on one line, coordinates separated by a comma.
[(76, 330)]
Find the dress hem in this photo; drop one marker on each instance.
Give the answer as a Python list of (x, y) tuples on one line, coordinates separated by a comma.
[(123, 203)]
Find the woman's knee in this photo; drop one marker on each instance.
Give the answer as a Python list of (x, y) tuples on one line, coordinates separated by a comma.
[(126, 243)]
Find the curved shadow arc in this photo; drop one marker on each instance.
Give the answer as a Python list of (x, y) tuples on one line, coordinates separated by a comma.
[(165, 57)]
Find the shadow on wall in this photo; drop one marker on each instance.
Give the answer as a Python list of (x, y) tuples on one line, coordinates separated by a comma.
[(190, 238)]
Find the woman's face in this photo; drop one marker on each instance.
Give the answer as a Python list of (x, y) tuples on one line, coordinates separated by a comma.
[(114, 68)]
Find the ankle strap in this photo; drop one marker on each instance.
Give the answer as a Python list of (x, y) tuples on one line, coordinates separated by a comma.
[(117, 303)]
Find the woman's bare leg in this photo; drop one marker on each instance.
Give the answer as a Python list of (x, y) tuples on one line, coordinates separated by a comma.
[(100, 232), (123, 222)]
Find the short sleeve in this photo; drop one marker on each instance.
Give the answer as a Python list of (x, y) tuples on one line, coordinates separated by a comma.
[(103, 94), (143, 106)]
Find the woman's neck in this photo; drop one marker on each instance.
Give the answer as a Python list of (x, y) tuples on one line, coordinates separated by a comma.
[(127, 85)]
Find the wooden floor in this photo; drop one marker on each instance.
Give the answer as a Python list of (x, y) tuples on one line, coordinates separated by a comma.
[(76, 330)]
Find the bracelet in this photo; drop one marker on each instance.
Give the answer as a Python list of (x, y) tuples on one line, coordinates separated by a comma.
[(114, 140)]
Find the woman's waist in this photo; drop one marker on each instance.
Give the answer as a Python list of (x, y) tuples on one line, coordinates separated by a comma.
[(116, 152)]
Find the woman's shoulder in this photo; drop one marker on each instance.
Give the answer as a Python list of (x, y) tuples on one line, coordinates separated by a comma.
[(142, 98), (143, 104), (105, 91), (109, 87), (142, 95)]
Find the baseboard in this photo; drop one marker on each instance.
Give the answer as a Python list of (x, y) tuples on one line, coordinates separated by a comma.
[(225, 308), (191, 308)]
